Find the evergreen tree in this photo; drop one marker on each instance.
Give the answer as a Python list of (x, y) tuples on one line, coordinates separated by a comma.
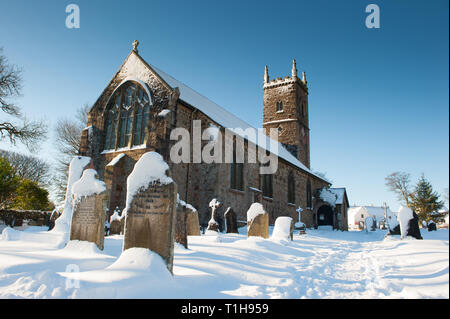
[(424, 201), (29, 196)]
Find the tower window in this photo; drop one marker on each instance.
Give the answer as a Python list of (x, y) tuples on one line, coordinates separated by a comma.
[(279, 106)]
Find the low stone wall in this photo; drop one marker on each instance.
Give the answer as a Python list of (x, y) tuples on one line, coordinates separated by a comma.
[(15, 217)]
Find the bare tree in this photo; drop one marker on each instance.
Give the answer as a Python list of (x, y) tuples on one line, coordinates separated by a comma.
[(29, 167), (27, 132), (68, 139), (399, 183)]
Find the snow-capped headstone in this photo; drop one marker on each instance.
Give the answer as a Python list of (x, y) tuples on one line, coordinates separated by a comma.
[(181, 226), (283, 228), (409, 223), (89, 211), (431, 226), (213, 225), (150, 212), (76, 167), (257, 221), (193, 226), (231, 221), (115, 223)]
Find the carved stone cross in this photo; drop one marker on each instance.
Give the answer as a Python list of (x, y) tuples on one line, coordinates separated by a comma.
[(135, 45)]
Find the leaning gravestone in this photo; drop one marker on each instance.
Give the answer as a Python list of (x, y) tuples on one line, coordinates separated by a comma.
[(89, 215), (231, 221), (181, 226), (257, 221), (213, 226), (151, 207)]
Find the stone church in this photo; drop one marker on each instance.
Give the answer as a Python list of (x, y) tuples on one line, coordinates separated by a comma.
[(142, 104)]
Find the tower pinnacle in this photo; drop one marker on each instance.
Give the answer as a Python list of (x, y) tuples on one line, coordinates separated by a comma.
[(266, 75), (294, 69)]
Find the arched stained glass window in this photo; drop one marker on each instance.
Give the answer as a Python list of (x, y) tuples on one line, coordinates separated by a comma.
[(127, 115)]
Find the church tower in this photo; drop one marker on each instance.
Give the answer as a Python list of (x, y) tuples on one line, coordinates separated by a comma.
[(286, 109)]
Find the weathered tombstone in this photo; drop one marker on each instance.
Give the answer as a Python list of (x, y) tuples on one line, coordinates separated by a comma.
[(409, 223), (151, 207), (231, 221), (181, 226), (89, 214), (432, 226), (283, 228), (257, 221), (213, 226), (193, 226), (115, 227), (413, 229)]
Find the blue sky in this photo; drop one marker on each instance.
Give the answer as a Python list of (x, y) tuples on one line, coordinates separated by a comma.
[(379, 99)]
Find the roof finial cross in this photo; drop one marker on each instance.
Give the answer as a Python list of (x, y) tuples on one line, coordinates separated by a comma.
[(135, 46)]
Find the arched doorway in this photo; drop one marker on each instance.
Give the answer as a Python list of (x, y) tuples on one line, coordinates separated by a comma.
[(325, 216)]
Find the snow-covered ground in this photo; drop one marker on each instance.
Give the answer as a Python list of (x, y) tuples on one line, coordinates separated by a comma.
[(321, 264)]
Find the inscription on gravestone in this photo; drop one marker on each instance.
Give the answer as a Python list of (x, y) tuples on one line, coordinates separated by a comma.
[(88, 219), (150, 220)]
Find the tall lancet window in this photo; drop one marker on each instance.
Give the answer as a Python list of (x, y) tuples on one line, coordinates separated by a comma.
[(308, 194), (291, 188), (127, 115), (237, 171)]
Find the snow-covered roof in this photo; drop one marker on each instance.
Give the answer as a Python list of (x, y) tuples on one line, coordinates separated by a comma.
[(340, 194), (226, 119), (377, 211)]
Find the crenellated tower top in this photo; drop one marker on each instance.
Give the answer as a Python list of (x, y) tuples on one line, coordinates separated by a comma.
[(286, 80)]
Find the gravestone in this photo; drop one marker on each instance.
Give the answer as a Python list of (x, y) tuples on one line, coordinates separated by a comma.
[(231, 221), (432, 226), (413, 227), (150, 220), (212, 224), (151, 205), (88, 219), (257, 221), (283, 228), (89, 210), (193, 226), (181, 226), (115, 227)]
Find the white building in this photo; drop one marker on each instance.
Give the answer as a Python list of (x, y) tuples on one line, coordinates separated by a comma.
[(358, 214)]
